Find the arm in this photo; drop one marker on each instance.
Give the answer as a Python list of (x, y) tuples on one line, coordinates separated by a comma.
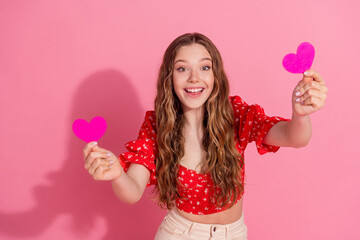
[(296, 133), (133, 170), (130, 186), (308, 97), (104, 165)]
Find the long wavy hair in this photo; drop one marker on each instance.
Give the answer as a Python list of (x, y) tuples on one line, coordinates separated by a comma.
[(222, 160)]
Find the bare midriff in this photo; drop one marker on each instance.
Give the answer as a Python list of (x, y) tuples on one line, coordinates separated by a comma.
[(225, 217)]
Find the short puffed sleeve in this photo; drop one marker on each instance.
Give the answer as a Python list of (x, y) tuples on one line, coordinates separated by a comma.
[(143, 150), (253, 124)]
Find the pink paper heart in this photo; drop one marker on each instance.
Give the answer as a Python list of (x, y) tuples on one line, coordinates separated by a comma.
[(89, 132), (302, 60)]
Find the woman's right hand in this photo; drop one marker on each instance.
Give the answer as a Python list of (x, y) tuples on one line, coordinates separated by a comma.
[(101, 163)]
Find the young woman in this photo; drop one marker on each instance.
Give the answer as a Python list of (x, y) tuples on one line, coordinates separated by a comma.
[(192, 146)]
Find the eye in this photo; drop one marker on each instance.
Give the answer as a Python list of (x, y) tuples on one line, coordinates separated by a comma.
[(181, 69), (206, 68)]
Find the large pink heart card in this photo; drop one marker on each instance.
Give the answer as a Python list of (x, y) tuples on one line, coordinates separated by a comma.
[(89, 132), (302, 60)]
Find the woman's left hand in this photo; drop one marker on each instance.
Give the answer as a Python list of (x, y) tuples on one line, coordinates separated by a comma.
[(310, 94)]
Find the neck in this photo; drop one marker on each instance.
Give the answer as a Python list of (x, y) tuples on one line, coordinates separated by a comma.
[(194, 118)]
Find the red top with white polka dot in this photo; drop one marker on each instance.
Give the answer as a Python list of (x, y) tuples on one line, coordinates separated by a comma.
[(197, 190)]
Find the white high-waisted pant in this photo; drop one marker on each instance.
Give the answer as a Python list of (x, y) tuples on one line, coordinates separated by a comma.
[(176, 227)]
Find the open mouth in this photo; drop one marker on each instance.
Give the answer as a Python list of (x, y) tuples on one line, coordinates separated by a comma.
[(194, 90)]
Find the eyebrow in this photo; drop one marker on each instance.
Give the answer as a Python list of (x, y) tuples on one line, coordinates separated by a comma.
[(181, 60)]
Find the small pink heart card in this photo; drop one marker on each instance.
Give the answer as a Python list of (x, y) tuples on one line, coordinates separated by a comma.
[(302, 60), (89, 132)]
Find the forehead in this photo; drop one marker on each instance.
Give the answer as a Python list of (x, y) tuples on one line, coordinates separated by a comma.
[(194, 51)]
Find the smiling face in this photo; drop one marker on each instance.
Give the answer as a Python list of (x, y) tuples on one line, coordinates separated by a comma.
[(193, 77)]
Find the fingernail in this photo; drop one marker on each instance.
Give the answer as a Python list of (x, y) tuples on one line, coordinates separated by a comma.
[(111, 162), (297, 93), (94, 143), (298, 100), (108, 154), (306, 73)]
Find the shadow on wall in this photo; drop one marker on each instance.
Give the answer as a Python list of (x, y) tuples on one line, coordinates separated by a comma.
[(72, 191)]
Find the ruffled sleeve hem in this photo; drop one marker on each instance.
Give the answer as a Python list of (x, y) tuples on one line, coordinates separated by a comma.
[(253, 124), (143, 150), (261, 147)]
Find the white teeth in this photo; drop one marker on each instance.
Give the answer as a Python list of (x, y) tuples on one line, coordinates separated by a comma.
[(194, 90)]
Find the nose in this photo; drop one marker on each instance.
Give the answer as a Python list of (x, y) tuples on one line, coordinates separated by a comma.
[(194, 76)]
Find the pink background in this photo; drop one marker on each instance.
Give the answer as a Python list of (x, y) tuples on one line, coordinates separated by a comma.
[(62, 60)]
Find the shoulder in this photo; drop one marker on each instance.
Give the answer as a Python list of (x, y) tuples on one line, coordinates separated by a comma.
[(149, 123), (238, 103), (236, 100), (150, 116)]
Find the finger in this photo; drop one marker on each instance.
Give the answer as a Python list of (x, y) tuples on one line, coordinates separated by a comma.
[(101, 161), (309, 93), (325, 89), (314, 75), (95, 155), (96, 148), (87, 148), (315, 102), (100, 172), (302, 83), (309, 86), (97, 163), (312, 93)]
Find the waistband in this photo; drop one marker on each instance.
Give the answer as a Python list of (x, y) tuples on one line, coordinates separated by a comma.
[(221, 229)]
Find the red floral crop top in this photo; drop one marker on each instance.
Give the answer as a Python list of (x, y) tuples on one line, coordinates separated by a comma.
[(197, 189)]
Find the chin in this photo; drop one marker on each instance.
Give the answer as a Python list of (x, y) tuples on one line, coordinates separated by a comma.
[(194, 106)]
